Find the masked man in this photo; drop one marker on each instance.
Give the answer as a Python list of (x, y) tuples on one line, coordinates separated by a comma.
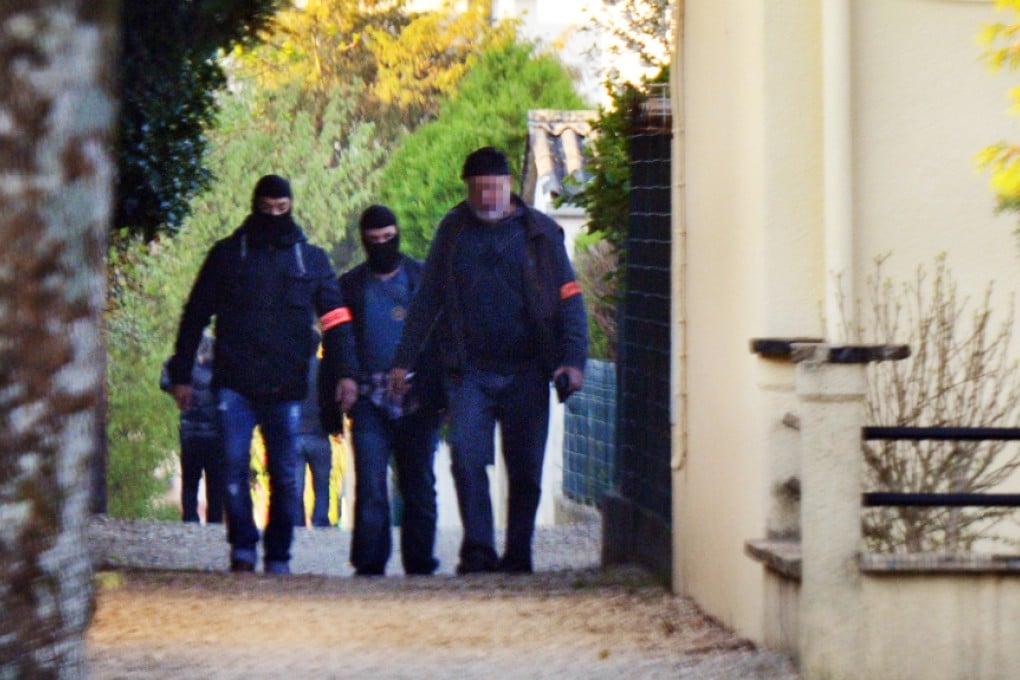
[(266, 286)]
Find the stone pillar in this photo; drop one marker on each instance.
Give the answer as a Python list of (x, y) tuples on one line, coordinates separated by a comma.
[(831, 402)]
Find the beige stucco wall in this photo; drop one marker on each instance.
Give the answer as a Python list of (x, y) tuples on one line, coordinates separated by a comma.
[(754, 156), (752, 207), (931, 626), (924, 105), (956, 627)]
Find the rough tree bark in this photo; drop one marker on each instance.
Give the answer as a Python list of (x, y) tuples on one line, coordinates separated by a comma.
[(56, 171)]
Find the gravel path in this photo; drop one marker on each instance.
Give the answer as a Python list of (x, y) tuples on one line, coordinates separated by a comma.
[(168, 609), (198, 547)]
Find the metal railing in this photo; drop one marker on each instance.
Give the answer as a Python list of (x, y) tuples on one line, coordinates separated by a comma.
[(893, 499)]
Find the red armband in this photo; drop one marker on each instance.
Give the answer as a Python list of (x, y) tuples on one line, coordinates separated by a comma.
[(569, 290), (334, 318)]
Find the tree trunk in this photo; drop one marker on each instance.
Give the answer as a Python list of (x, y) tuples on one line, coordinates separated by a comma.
[(56, 172)]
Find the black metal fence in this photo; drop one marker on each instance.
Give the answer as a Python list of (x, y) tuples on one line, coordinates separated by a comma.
[(637, 511), (876, 499)]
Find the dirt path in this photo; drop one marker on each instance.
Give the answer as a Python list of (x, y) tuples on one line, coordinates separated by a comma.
[(564, 625)]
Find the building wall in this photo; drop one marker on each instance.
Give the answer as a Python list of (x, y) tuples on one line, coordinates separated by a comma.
[(752, 208), (924, 105), (754, 154)]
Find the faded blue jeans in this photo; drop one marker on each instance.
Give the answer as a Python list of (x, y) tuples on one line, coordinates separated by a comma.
[(279, 423), (313, 450), (411, 443), (520, 403)]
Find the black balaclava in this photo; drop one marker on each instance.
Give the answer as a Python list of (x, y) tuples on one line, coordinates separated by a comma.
[(382, 258), (270, 227)]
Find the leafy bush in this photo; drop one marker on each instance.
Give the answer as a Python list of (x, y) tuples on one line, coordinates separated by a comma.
[(141, 421), (596, 263), (606, 195)]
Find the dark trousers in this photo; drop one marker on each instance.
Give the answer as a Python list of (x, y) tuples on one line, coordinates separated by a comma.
[(411, 443), (202, 453), (519, 402)]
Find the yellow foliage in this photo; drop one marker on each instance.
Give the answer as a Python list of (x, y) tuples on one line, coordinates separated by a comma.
[(1001, 44), (431, 53), (260, 480), (405, 60)]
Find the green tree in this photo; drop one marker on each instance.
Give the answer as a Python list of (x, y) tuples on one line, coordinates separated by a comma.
[(169, 74), (422, 179)]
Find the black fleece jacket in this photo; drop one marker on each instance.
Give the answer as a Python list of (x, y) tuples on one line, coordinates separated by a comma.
[(266, 294)]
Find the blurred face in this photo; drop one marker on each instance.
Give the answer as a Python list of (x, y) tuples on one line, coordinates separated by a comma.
[(489, 196), (273, 206)]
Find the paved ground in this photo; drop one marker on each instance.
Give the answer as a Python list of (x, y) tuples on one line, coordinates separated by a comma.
[(168, 609)]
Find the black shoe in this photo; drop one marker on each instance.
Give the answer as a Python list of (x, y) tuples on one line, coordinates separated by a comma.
[(426, 568), (514, 566), (476, 568), (369, 573), (241, 566)]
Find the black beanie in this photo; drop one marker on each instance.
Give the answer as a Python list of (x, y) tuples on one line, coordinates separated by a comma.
[(376, 217), (270, 186), (485, 161)]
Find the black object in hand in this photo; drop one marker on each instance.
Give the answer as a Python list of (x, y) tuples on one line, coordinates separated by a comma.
[(562, 384)]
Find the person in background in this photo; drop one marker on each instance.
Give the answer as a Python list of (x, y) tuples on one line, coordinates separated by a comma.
[(266, 286), (406, 430), (201, 440), (315, 451), (501, 293)]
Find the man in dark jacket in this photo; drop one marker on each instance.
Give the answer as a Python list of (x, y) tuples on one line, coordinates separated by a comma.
[(266, 286), (378, 293), (502, 295)]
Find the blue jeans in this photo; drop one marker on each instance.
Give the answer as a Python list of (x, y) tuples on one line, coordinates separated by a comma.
[(279, 423), (411, 442), (200, 452), (313, 450), (520, 403)]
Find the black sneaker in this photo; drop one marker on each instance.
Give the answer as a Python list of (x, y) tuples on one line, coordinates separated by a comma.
[(241, 566), (425, 569), (514, 566), (476, 568), (369, 573)]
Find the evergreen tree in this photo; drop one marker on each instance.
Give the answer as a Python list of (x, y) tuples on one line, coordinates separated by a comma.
[(169, 75)]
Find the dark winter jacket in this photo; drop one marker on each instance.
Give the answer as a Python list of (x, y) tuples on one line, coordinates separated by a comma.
[(266, 296), (553, 304)]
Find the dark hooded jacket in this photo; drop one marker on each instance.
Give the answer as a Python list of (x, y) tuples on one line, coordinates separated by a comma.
[(266, 290)]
